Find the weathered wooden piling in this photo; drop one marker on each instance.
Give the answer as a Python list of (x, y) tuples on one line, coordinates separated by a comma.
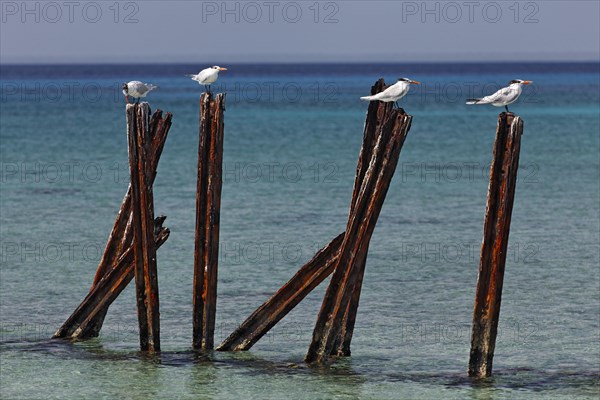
[(121, 234), (376, 114), (116, 268), (361, 223), (324, 262), (311, 274), (501, 193), (208, 210), (142, 222)]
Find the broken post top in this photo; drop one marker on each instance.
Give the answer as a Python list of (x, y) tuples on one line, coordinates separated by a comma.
[(511, 120), (509, 116), (143, 104), (209, 97), (212, 96), (157, 117)]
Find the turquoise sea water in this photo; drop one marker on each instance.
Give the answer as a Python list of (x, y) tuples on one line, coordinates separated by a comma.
[(292, 137)]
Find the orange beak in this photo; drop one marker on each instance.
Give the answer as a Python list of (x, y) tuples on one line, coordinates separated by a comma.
[(222, 69), (126, 99), (527, 82), (415, 82)]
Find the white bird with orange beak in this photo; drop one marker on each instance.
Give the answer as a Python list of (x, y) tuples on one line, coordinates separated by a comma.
[(393, 93), (504, 96), (207, 76)]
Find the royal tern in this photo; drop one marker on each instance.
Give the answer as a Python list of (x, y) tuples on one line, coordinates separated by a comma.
[(393, 93), (504, 96), (207, 76), (137, 89)]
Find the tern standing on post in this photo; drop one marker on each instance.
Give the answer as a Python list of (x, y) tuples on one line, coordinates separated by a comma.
[(137, 89), (504, 96), (394, 93), (207, 76)]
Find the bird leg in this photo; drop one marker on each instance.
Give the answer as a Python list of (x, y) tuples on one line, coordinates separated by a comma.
[(507, 109)]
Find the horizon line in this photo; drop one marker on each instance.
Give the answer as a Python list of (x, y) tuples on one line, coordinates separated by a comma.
[(502, 61)]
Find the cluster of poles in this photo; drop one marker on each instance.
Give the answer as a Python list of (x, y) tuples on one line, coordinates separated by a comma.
[(130, 253)]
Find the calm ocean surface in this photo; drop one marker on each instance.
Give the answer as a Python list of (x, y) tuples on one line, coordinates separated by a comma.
[(292, 137)]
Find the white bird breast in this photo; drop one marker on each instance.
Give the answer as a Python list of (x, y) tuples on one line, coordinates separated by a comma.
[(395, 92), (207, 76)]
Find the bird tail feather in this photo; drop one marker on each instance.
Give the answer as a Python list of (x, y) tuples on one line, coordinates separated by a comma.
[(473, 101), (152, 87), (368, 98)]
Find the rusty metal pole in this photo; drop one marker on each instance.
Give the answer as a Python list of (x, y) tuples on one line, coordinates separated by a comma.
[(501, 194)]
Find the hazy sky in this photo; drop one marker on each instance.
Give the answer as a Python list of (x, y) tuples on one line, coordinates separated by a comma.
[(221, 31)]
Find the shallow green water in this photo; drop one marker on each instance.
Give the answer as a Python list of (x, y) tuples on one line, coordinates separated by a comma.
[(289, 164)]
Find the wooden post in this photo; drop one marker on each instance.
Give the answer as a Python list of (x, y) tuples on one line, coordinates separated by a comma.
[(121, 234), (323, 263), (115, 270), (142, 205), (376, 114), (285, 299), (208, 210), (361, 223), (501, 193)]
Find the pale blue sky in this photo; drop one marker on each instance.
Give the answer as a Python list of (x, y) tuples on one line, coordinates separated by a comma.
[(248, 31)]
